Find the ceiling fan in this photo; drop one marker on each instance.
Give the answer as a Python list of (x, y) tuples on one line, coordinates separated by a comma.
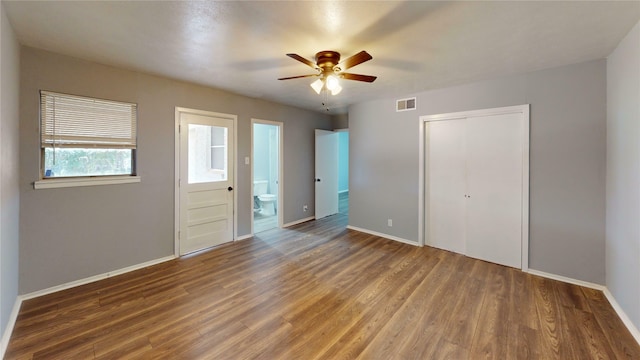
[(330, 69)]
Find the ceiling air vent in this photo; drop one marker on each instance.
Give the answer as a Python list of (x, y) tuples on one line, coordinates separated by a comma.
[(406, 104)]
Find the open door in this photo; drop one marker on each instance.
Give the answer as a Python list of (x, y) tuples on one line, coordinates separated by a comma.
[(326, 173)]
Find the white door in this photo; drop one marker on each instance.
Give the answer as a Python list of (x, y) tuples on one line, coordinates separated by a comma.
[(494, 202), (476, 189), (326, 173), (206, 181), (446, 156)]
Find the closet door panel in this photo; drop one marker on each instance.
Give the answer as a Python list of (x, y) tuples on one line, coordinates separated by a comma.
[(446, 156), (494, 188)]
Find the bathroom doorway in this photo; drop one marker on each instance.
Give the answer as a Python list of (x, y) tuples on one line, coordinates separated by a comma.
[(266, 174)]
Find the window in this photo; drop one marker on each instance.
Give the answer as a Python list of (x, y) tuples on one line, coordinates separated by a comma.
[(86, 137), (207, 153)]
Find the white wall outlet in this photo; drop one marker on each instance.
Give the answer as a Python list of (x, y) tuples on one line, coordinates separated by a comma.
[(305, 208), (389, 222)]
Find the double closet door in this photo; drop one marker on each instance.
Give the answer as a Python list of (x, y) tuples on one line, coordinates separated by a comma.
[(475, 189)]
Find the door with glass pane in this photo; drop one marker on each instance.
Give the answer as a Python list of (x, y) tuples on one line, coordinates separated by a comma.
[(206, 181)]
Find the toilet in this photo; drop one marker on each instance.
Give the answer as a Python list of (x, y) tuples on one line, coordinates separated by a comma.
[(267, 201)]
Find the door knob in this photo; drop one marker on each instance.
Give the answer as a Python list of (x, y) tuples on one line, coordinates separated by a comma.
[(229, 188), (318, 180)]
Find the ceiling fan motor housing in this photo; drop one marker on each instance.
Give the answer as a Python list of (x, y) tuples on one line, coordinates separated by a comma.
[(327, 61)]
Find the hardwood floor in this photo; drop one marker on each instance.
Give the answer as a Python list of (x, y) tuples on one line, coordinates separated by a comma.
[(343, 203), (317, 290)]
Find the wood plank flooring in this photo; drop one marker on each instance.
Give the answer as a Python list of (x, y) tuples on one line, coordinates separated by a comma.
[(319, 291)]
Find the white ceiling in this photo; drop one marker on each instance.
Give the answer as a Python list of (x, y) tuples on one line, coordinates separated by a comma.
[(240, 46)]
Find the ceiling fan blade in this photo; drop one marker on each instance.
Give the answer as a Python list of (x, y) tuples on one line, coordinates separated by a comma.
[(356, 59), (303, 60), (358, 77), (297, 77)]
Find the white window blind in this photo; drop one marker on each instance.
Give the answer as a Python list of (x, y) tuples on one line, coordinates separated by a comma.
[(69, 121)]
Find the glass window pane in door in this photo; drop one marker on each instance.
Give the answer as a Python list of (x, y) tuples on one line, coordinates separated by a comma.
[(207, 153)]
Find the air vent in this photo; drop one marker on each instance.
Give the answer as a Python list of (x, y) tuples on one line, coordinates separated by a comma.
[(406, 104)]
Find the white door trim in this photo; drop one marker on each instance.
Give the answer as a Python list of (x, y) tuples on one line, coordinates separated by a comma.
[(280, 125), (423, 165), (176, 182)]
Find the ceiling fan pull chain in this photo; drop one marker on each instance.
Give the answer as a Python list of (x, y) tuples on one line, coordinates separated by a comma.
[(325, 101)]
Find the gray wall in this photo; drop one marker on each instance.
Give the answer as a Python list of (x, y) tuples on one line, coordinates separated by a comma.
[(9, 190), (567, 162), (340, 121), (623, 175), (73, 233)]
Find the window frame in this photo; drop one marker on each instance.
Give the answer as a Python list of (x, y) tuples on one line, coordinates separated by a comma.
[(89, 180)]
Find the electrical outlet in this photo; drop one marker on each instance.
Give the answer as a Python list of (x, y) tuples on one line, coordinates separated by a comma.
[(389, 222), (305, 208)]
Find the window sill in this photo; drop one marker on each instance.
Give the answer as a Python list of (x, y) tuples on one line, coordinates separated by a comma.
[(85, 181)]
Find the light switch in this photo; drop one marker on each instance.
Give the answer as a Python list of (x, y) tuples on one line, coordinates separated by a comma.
[(246, 160)]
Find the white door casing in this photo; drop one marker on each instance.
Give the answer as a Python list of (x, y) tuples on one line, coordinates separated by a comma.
[(206, 178), (326, 169)]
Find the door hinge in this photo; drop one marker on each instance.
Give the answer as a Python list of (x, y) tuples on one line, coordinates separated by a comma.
[(179, 182), (179, 128)]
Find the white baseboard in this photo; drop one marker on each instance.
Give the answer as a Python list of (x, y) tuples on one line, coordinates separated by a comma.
[(11, 322), (612, 300), (244, 237), (386, 236), (299, 221), (95, 278), (623, 316), (567, 280)]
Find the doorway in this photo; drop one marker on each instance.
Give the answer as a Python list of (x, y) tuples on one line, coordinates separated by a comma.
[(331, 172), (205, 179), (326, 170), (343, 171), (266, 175)]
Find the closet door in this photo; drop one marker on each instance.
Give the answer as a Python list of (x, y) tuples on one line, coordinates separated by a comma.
[(494, 193), (446, 185)]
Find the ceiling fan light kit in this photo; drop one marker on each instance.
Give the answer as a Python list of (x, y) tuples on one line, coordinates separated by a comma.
[(317, 85), (330, 69), (331, 83)]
